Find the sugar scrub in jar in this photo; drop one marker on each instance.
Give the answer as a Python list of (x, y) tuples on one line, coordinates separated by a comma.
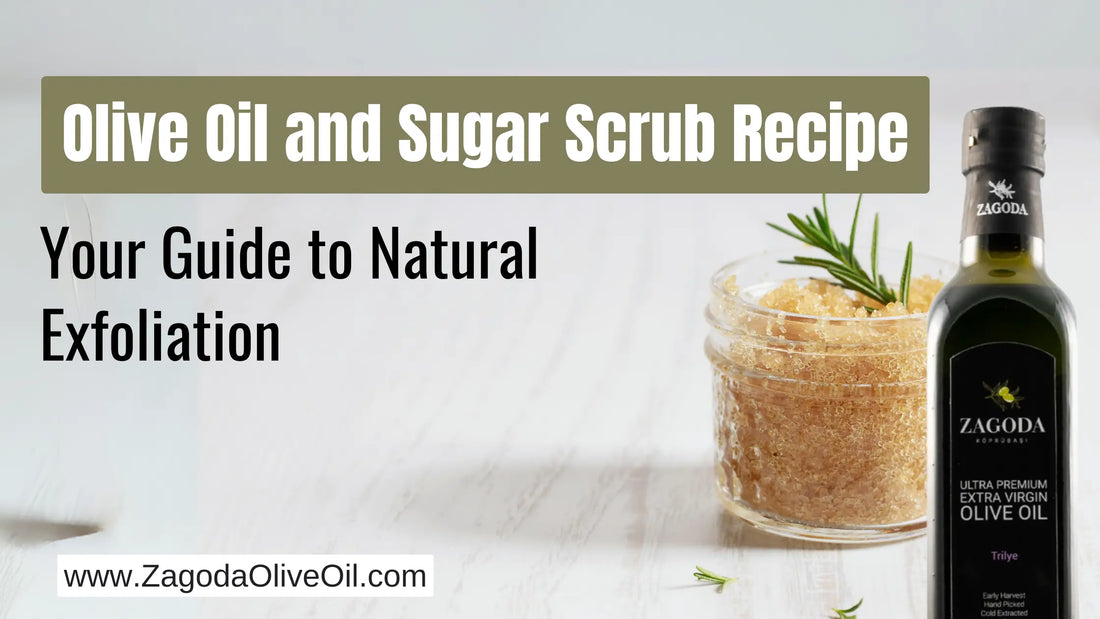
[(819, 400)]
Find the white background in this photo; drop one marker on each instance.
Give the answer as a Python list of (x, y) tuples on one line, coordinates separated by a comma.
[(548, 441)]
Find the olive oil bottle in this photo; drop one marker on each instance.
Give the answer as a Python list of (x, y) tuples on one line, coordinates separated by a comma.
[(1001, 343)]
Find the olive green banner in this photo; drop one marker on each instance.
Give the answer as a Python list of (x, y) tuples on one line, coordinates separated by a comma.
[(485, 134)]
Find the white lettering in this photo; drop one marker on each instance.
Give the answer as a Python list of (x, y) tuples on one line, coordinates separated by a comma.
[(1002, 208), (1005, 425)]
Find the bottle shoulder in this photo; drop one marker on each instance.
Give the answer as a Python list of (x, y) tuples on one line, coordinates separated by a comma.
[(1004, 306)]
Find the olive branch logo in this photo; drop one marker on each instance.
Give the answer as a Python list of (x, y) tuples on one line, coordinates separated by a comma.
[(1003, 396), (1001, 189)]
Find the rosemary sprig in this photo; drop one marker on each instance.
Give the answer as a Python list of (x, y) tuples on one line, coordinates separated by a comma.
[(848, 613), (817, 232), (709, 576)]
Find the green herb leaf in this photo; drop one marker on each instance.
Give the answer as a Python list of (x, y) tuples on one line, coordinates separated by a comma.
[(706, 575), (874, 253), (848, 613), (823, 224), (853, 283), (817, 262), (794, 235), (812, 234), (815, 230), (906, 274)]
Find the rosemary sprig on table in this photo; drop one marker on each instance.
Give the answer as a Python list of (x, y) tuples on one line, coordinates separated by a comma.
[(706, 575), (848, 613), (703, 574), (817, 232)]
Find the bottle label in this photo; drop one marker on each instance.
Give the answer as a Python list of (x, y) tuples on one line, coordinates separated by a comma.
[(1003, 200), (1003, 481)]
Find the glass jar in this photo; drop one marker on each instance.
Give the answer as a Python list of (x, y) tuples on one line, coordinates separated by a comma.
[(819, 422)]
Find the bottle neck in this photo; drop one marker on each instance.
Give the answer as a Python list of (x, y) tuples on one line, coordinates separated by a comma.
[(1003, 251), (1003, 221)]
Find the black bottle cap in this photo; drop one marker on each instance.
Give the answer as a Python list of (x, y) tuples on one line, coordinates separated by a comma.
[(1004, 136)]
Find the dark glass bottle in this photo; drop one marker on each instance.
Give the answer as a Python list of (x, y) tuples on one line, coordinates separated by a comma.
[(1001, 340)]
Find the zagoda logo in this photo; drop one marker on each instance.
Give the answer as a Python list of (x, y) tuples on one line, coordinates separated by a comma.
[(1005, 398), (1004, 193), (1001, 190)]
